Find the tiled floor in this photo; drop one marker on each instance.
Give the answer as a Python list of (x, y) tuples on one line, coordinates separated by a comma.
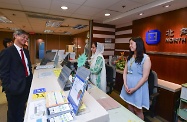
[(3, 106)]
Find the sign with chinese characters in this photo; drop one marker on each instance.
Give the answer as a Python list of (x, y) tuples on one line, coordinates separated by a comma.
[(109, 45), (108, 40), (170, 36), (153, 37)]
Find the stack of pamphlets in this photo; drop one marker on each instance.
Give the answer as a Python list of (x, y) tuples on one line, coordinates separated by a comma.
[(66, 117), (58, 107), (55, 98)]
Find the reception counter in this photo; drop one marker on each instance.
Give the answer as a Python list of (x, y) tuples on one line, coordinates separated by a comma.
[(94, 111), (50, 84), (119, 114)]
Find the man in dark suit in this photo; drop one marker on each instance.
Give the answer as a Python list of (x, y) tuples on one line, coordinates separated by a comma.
[(16, 76)]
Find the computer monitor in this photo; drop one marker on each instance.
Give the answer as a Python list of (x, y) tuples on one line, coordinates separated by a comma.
[(66, 60), (56, 61), (44, 61), (50, 55), (47, 58), (64, 76), (67, 56)]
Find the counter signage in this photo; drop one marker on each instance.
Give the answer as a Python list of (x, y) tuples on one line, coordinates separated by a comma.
[(170, 36)]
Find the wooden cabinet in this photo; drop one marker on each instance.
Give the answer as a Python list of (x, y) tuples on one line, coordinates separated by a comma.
[(119, 82), (166, 102)]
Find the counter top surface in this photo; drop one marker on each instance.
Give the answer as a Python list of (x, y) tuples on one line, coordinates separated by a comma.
[(173, 87)]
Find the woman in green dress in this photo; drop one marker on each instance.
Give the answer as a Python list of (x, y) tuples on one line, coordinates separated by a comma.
[(97, 66)]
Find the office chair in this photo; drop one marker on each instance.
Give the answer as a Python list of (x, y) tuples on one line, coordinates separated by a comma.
[(48, 51), (110, 78), (153, 94)]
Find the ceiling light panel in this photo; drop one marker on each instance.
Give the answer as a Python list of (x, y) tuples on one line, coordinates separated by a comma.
[(54, 24), (66, 33), (64, 7), (14, 29), (166, 6), (48, 31), (103, 4), (46, 17), (3, 19), (107, 14), (56, 6), (79, 26)]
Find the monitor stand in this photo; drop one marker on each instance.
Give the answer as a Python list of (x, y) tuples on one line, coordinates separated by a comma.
[(68, 86)]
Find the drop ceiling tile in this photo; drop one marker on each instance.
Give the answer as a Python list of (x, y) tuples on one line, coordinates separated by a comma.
[(33, 21), (9, 25), (129, 5), (33, 9), (10, 1), (59, 13), (79, 2), (102, 14), (143, 1), (81, 16), (1, 25), (41, 29), (38, 24), (103, 4), (10, 6), (85, 10), (28, 28), (15, 16), (36, 3)]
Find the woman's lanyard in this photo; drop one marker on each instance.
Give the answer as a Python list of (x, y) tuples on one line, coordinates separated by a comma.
[(131, 62)]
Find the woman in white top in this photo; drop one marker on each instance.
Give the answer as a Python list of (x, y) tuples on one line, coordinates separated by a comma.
[(97, 66)]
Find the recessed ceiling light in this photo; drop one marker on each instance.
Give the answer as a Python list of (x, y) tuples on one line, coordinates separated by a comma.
[(48, 31), (3, 19), (66, 32), (64, 7), (107, 14), (166, 6), (79, 26), (141, 14), (14, 29)]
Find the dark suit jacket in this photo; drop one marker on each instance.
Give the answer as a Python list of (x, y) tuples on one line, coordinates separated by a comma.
[(12, 71)]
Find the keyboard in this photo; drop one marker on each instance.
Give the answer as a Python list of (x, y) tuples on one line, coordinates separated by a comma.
[(45, 67)]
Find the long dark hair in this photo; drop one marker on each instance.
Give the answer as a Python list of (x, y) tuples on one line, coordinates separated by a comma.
[(95, 43), (140, 50)]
